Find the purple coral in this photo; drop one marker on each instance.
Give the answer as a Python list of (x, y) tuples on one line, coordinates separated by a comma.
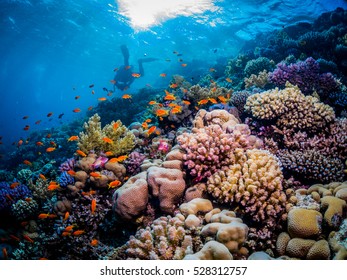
[(304, 74), (134, 162), (9, 196), (67, 165)]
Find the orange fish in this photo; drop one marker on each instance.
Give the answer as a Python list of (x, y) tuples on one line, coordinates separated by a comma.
[(25, 117), (162, 75), (82, 154), (93, 205), (42, 176), (107, 140), (228, 80), (15, 238), (152, 102), (161, 112), (28, 199), (43, 216), (49, 135), (27, 238), (78, 232), (39, 143), (20, 142), (15, 184), (66, 233), (27, 162), (203, 101), (173, 86), (90, 108), (38, 122), (53, 143), (145, 125), (212, 70), (115, 126), (73, 138), (184, 64), (52, 216), (148, 120), (114, 184), (94, 242), (136, 75), (127, 67), (76, 110), (169, 97), (95, 174), (27, 127), (4, 253), (126, 96), (172, 105), (102, 99), (77, 97), (122, 158), (212, 100), (186, 102), (151, 130), (24, 223), (69, 228), (71, 173), (176, 110), (109, 153), (52, 187), (50, 149), (113, 82), (222, 99), (66, 216), (49, 114), (43, 259)]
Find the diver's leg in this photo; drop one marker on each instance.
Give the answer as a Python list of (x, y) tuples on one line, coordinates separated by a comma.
[(142, 71), (125, 53), (141, 61)]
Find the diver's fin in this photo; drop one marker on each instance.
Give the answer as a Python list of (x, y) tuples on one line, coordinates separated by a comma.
[(125, 53), (148, 59)]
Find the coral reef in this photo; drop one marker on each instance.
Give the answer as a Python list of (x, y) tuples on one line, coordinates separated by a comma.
[(113, 137)]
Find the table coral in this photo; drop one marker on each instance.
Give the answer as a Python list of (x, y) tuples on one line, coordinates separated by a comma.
[(290, 109)]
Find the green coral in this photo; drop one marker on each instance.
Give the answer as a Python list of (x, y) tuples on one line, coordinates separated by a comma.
[(92, 138)]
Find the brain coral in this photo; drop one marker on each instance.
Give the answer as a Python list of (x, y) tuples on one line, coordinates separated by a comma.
[(253, 183), (290, 109)]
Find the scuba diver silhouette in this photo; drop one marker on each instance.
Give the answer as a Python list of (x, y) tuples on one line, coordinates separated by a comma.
[(124, 76)]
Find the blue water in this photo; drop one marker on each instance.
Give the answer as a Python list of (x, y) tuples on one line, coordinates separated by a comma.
[(51, 51)]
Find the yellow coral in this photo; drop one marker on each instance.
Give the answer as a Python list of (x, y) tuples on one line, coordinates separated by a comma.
[(334, 211), (291, 108), (304, 223), (260, 80), (122, 140)]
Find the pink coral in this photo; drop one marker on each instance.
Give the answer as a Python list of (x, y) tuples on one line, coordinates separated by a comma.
[(209, 149)]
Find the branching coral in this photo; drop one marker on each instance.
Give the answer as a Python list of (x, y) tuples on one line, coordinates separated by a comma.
[(305, 75), (114, 137), (312, 165), (210, 149), (164, 239), (254, 183), (291, 109)]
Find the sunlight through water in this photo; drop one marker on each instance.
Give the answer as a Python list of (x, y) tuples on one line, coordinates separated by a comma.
[(146, 13)]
